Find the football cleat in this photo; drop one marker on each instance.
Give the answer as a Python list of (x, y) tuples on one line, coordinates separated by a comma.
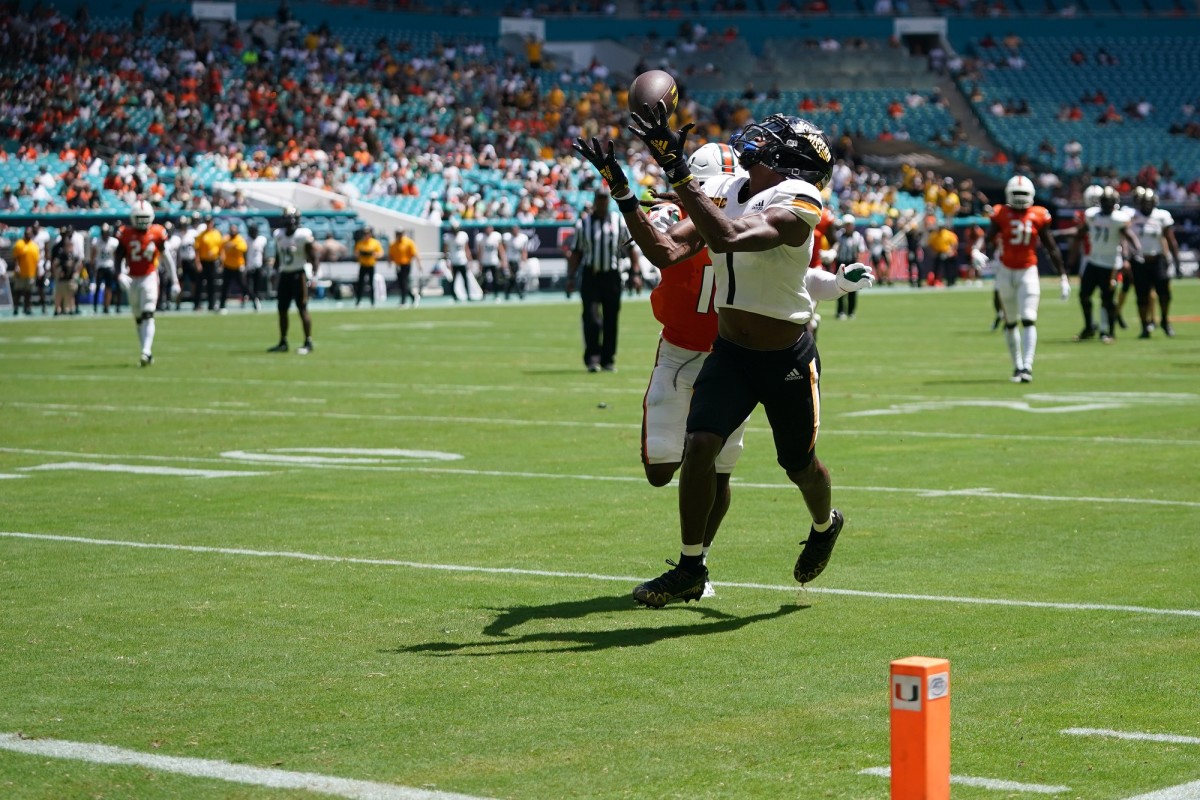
[(1016, 376), (1167, 330), (1085, 334), (304, 349), (1106, 338), (818, 548), (672, 586), (279, 348), (1026, 376), (146, 360)]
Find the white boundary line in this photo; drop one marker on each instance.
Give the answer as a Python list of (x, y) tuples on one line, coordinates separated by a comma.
[(177, 472), (1139, 737), (221, 770), (982, 783), (388, 562)]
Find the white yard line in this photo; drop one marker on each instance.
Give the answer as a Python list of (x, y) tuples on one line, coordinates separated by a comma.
[(1184, 791), (983, 783), (378, 464), (1130, 736), (388, 562), (221, 770), (66, 408), (135, 469)]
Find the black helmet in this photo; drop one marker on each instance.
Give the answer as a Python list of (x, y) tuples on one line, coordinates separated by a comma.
[(1108, 200), (788, 145), (1146, 199)]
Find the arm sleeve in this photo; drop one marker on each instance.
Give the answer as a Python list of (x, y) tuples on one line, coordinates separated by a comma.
[(822, 285)]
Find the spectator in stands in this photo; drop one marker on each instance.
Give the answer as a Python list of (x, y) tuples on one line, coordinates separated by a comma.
[(1078, 58), (332, 249)]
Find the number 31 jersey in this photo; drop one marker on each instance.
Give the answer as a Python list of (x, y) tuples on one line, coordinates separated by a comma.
[(1020, 229)]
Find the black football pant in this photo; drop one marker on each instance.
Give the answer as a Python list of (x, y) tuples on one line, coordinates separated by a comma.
[(601, 296), (206, 287), (1093, 278)]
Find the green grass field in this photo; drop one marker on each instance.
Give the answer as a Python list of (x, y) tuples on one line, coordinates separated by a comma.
[(408, 557)]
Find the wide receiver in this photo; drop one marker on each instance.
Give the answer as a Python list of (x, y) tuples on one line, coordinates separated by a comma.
[(1020, 225), (141, 244), (684, 303), (761, 224)]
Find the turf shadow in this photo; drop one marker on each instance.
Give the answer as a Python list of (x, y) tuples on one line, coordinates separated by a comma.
[(703, 621)]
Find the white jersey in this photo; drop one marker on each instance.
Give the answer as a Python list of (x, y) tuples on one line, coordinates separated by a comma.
[(187, 245), (255, 252), (489, 249), (171, 252), (879, 239), (456, 247), (105, 251), (290, 249), (769, 282), (515, 245), (1104, 234), (1151, 229)]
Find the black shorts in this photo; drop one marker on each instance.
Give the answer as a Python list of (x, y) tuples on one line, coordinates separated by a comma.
[(293, 286), (106, 277), (734, 380), (1149, 273)]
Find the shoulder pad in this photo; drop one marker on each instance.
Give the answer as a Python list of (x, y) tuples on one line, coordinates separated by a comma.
[(800, 197)]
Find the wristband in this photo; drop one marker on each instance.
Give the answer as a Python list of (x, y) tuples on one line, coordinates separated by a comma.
[(627, 202), (679, 175)]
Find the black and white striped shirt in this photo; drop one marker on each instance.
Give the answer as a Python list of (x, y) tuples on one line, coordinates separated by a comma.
[(598, 241)]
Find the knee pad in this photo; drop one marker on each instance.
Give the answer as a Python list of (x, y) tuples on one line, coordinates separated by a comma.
[(1028, 323), (1010, 325), (146, 315)]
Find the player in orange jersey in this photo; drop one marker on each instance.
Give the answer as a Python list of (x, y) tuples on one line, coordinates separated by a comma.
[(1020, 226), (141, 244)]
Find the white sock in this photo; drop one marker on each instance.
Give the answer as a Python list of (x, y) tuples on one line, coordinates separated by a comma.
[(1011, 339), (692, 549), (141, 329), (704, 555), (148, 336), (1028, 345), (821, 527)]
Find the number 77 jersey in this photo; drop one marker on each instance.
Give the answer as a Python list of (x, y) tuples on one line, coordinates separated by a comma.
[(1019, 233)]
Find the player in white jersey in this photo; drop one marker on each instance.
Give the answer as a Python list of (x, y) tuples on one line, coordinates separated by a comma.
[(879, 247), (760, 231), (171, 251), (490, 246), (1104, 228), (456, 247), (516, 251), (104, 258), (1155, 229), (187, 257), (256, 251), (296, 263)]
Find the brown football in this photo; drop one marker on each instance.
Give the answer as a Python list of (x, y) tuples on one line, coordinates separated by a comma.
[(650, 87)]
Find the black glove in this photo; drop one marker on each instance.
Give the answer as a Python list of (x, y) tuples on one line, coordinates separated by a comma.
[(653, 127), (604, 161)]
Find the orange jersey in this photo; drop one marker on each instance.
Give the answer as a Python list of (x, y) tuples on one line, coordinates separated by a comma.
[(820, 234), (683, 303), (142, 248), (1019, 233)]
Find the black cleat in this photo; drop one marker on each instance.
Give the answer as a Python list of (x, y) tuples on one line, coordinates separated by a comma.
[(1016, 376), (1121, 322), (1026, 376), (1086, 333), (672, 586), (1167, 330), (279, 348), (818, 548)]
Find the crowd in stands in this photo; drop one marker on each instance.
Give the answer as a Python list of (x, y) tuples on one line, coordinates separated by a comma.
[(168, 109)]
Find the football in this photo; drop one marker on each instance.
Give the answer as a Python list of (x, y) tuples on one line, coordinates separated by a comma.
[(650, 87)]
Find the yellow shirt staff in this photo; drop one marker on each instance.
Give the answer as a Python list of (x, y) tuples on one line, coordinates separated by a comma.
[(368, 250)]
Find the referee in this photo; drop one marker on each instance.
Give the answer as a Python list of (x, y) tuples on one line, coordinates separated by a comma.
[(601, 238)]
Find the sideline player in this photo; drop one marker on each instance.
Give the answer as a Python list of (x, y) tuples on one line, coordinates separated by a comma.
[(142, 243), (104, 259), (296, 263), (1021, 225), (1104, 228), (763, 352), (1155, 229)]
